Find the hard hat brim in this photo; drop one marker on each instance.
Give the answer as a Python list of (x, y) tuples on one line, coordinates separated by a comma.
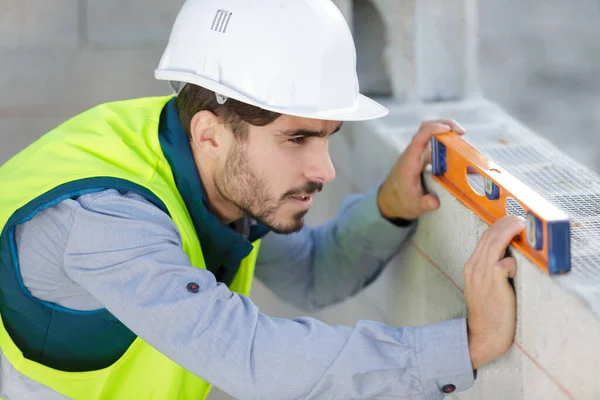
[(364, 107)]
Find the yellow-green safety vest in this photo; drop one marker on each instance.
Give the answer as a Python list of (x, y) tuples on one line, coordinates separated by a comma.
[(118, 140)]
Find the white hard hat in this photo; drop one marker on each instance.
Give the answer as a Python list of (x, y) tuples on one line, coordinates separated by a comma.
[(294, 57)]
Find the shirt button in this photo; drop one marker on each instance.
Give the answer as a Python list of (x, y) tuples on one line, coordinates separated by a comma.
[(448, 388), (193, 287)]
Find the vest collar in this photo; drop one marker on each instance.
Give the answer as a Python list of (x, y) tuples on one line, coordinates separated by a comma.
[(223, 246)]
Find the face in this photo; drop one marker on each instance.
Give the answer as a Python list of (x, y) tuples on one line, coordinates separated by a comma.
[(273, 174)]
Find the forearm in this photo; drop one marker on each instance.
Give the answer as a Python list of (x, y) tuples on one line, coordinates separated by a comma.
[(223, 338)]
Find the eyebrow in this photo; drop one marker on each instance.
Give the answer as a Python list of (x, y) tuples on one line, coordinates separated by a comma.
[(308, 132)]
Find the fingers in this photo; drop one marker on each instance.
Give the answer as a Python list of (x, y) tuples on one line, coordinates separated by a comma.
[(493, 244), (500, 234), (429, 129), (455, 126)]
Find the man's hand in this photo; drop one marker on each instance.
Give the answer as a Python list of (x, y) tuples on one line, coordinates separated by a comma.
[(490, 298), (402, 194)]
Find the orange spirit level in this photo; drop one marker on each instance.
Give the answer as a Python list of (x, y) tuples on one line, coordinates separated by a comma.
[(492, 192)]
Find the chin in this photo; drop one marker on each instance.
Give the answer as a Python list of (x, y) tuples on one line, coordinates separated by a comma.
[(286, 229), (292, 225)]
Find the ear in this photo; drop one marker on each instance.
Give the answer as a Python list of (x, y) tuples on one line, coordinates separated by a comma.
[(204, 133)]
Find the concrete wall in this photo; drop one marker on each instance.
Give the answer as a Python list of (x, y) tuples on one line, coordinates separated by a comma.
[(60, 57), (539, 59), (556, 333)]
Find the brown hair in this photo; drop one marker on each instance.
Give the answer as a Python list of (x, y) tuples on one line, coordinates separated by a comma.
[(192, 99)]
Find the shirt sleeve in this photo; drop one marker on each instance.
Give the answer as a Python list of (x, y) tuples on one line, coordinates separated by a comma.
[(323, 265), (128, 255)]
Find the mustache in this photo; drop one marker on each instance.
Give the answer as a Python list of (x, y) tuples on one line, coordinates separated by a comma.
[(308, 189)]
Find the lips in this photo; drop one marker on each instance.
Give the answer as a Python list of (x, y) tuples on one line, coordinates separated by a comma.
[(301, 198)]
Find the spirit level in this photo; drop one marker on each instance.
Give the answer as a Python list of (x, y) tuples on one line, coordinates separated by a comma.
[(457, 166)]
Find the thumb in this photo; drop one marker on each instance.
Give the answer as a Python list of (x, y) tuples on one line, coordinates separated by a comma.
[(507, 267), (429, 203)]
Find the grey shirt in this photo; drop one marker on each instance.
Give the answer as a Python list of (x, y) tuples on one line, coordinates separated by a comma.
[(117, 251)]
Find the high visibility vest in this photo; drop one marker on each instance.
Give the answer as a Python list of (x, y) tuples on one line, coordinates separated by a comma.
[(113, 145)]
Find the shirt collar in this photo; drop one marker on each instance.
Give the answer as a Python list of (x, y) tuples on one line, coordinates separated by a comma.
[(223, 246)]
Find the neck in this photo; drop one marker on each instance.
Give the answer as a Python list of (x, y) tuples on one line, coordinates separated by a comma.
[(225, 211)]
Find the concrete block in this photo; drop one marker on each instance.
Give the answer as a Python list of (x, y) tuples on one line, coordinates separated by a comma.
[(399, 54), (369, 33), (540, 386), (445, 49), (116, 23), (270, 304), (549, 57), (430, 47), (379, 154), (345, 7), (556, 330), (39, 23), (109, 75), (502, 379), (403, 123), (474, 113), (347, 313), (559, 331), (36, 77), (412, 291), (437, 235), (77, 80)]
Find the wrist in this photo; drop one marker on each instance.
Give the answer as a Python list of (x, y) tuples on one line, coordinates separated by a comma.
[(386, 209), (398, 221), (478, 350), (477, 358), (382, 204)]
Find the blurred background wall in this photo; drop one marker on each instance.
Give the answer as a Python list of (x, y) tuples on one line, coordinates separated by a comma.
[(539, 59)]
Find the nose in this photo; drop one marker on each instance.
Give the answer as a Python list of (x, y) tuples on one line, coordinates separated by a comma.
[(320, 168)]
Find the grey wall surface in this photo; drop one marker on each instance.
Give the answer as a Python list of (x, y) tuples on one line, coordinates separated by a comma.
[(539, 59)]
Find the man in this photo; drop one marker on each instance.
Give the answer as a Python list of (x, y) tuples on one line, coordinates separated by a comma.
[(131, 233)]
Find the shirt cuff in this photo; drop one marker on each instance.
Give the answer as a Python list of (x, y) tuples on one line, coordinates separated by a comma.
[(443, 358)]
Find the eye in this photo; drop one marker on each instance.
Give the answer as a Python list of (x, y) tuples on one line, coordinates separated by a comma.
[(298, 140)]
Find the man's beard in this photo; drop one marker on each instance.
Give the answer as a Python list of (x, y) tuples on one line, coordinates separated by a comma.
[(238, 185)]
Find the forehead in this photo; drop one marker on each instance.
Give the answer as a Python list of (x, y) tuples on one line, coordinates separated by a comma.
[(288, 123)]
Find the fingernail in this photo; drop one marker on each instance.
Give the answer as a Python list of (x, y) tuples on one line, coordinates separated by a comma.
[(432, 204)]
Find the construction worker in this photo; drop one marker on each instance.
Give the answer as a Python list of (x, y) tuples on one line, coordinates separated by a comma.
[(131, 232)]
